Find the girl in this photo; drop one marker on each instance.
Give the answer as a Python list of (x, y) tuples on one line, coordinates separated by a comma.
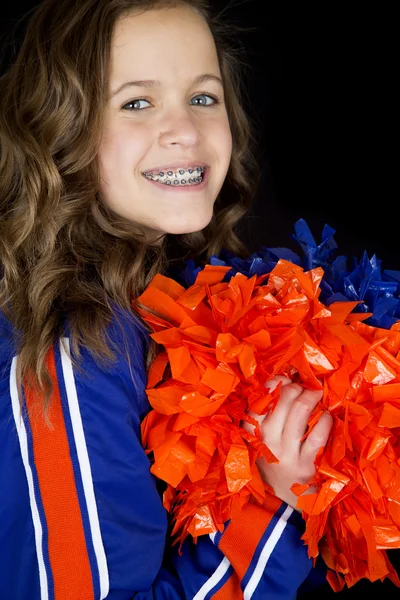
[(123, 146)]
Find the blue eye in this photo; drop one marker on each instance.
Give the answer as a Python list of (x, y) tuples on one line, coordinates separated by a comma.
[(205, 100), (213, 99), (137, 101)]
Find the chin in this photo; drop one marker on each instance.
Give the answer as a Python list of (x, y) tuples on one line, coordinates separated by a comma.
[(183, 226)]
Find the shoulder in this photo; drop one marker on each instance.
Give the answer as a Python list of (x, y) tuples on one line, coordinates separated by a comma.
[(125, 323), (127, 337), (124, 327), (121, 382)]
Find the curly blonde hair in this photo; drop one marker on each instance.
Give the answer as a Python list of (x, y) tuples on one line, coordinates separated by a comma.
[(63, 253)]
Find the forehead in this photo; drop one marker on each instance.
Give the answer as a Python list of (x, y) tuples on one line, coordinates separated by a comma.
[(165, 41)]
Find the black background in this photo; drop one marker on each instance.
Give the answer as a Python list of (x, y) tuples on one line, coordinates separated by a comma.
[(321, 90)]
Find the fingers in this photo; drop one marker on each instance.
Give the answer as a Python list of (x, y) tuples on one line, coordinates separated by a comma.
[(297, 420), (270, 385), (317, 438), (275, 422), (248, 426), (286, 425), (273, 383)]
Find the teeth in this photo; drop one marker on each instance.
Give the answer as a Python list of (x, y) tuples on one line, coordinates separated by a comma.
[(192, 176)]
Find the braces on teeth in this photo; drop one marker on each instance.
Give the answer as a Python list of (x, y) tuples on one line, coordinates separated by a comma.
[(178, 178)]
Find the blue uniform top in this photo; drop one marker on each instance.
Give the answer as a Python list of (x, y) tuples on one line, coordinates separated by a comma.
[(81, 517)]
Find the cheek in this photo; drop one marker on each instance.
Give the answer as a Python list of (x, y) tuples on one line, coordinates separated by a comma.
[(221, 135), (229, 143), (121, 147)]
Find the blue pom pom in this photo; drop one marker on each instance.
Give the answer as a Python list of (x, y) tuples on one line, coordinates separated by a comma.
[(344, 279)]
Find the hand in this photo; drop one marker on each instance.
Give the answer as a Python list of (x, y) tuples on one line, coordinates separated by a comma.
[(282, 431)]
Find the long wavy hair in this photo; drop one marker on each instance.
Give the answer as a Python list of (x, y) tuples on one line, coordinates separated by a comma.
[(63, 252)]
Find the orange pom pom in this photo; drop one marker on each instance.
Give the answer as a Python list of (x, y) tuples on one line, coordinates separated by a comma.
[(223, 342)]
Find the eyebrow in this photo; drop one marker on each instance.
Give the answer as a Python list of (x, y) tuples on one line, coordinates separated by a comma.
[(147, 83)]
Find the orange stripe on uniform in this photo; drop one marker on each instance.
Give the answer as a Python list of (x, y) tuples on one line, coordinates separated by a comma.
[(239, 543), (231, 590), (68, 554)]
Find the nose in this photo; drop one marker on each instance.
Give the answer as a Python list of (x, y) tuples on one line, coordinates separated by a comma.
[(179, 128)]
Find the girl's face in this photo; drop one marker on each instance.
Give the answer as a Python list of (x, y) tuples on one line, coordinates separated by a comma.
[(165, 119)]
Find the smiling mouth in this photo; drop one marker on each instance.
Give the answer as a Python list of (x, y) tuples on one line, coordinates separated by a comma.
[(181, 177)]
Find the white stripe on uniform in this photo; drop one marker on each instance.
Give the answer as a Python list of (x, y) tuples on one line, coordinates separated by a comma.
[(214, 579), (23, 442), (85, 469)]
